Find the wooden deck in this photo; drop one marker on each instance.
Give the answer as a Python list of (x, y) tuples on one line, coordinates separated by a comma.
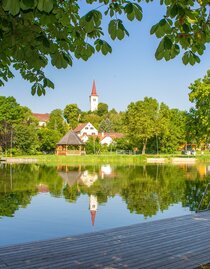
[(182, 242)]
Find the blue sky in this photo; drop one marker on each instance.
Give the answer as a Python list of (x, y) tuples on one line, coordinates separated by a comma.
[(127, 75)]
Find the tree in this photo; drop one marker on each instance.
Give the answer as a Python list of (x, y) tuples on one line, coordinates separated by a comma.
[(38, 31), (25, 139), (200, 96), (106, 126), (10, 110), (174, 131), (140, 121), (48, 139), (193, 128), (117, 120), (11, 114), (56, 122), (93, 145), (91, 117), (72, 115), (102, 109), (122, 144)]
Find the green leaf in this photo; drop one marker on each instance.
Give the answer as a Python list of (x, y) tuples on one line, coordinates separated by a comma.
[(27, 4), (175, 51), (48, 83), (191, 59), (33, 89), (174, 11), (138, 12), (58, 60), (160, 51), (186, 28), (167, 43), (197, 59), (39, 90), (129, 8), (185, 58), (12, 6), (120, 34), (154, 29), (45, 5), (112, 29), (159, 32), (131, 16)]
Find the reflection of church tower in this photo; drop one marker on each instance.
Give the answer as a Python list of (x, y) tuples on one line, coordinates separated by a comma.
[(93, 98), (93, 207)]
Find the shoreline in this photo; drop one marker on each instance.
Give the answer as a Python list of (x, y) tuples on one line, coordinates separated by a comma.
[(111, 159)]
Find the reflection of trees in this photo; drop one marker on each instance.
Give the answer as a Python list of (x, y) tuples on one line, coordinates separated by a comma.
[(150, 189), (145, 189), (195, 184), (193, 194), (18, 184), (10, 202), (71, 193), (141, 197)]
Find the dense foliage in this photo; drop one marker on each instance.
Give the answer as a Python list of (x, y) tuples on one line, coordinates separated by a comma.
[(35, 32), (200, 96)]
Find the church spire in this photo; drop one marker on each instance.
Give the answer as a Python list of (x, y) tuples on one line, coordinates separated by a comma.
[(93, 216), (93, 98), (93, 93)]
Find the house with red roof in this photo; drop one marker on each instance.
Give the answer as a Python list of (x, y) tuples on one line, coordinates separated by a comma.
[(84, 130), (108, 138), (42, 118)]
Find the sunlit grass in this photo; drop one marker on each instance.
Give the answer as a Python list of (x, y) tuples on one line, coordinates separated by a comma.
[(111, 158)]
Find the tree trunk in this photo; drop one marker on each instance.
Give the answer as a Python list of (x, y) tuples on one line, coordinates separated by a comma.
[(144, 146)]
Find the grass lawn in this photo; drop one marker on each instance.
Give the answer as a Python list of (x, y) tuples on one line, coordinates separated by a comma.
[(111, 158), (88, 159)]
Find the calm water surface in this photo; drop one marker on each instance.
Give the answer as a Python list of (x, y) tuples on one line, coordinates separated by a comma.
[(40, 202)]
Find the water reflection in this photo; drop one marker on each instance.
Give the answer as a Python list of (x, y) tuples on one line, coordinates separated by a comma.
[(78, 177), (146, 190)]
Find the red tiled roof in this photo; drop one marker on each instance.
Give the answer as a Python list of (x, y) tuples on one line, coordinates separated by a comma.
[(42, 117), (93, 93), (80, 127), (101, 136)]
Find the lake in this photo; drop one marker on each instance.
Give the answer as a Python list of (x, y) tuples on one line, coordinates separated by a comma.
[(41, 202)]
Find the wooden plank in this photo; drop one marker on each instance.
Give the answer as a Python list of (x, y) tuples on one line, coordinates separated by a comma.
[(157, 241), (84, 238), (123, 230), (61, 257), (65, 255), (83, 251), (160, 244), (3, 265)]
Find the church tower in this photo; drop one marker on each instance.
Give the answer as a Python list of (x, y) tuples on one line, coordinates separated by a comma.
[(93, 207), (93, 98)]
